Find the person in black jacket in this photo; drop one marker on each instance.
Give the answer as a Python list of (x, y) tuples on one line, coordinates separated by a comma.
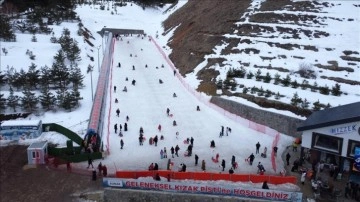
[(265, 185), (223, 164)]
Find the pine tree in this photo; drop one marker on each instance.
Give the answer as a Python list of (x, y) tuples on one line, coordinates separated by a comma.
[(250, 75), (286, 82), (258, 75), (75, 97), (33, 76), (47, 98), (253, 90), (60, 98), (2, 102), (29, 100), (45, 77), (59, 71), (294, 84), (277, 79), (33, 38), (277, 96), (219, 84), (65, 40), (296, 100), (260, 91), (268, 93), (241, 72), (73, 54), (267, 78), (76, 77), (324, 90), (315, 87), (317, 106), (304, 84), (3, 79), (305, 104), (13, 100), (68, 102), (245, 90), (336, 90)]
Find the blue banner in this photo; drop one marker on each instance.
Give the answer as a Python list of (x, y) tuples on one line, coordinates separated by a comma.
[(357, 159)]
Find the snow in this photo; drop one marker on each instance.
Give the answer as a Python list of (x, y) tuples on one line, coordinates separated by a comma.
[(146, 102)]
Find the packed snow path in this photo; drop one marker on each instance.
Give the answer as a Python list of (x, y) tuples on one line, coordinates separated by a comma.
[(146, 102)]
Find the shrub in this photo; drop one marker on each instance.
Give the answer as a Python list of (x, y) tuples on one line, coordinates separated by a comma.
[(307, 71), (324, 90), (245, 90)]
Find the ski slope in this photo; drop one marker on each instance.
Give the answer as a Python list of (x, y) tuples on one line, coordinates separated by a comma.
[(146, 102)]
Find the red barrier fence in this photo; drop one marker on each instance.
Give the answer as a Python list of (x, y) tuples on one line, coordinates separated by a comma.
[(208, 176)]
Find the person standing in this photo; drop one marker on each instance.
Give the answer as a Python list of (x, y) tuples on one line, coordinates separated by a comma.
[(90, 163), (203, 165), (275, 150), (114, 89), (302, 179), (257, 147), (192, 141), (100, 168), (196, 159), (161, 154), (125, 127), (115, 128), (121, 144), (172, 151), (117, 112), (265, 185), (159, 128), (177, 148), (155, 140), (233, 160), (165, 153), (104, 169), (168, 112), (288, 158), (223, 164), (251, 158)]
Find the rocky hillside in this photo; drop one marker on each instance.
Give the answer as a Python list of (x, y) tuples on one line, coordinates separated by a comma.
[(277, 36)]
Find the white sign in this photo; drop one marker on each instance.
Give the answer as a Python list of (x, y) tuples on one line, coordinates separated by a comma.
[(229, 190)]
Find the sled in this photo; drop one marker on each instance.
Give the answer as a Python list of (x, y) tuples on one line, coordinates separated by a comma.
[(170, 115), (214, 160), (186, 142), (186, 153)]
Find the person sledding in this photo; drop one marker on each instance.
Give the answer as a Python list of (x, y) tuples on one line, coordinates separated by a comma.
[(133, 82), (216, 159), (125, 89), (161, 81), (250, 159), (264, 153), (212, 144), (261, 169), (174, 123)]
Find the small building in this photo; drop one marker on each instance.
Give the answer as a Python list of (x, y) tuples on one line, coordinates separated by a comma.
[(20, 129), (37, 152), (333, 136)]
